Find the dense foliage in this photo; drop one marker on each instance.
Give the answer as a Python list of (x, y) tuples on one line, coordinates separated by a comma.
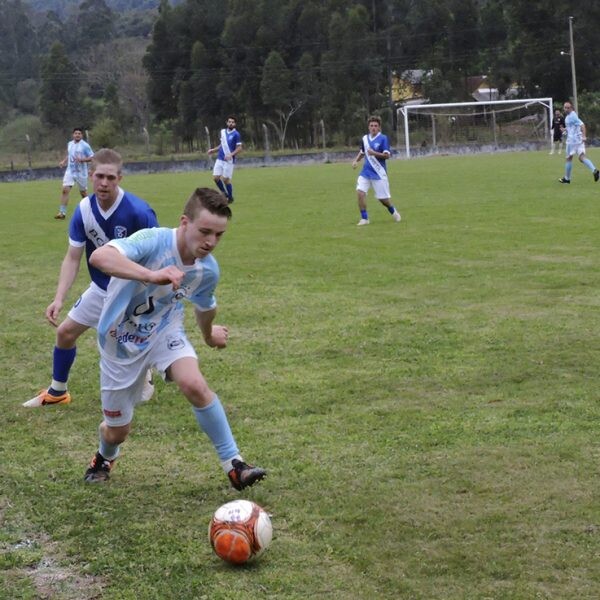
[(289, 65)]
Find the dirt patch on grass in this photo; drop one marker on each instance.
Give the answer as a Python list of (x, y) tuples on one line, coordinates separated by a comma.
[(54, 577)]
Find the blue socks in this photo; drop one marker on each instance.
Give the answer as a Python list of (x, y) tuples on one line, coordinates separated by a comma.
[(213, 421), (221, 186), (364, 215), (229, 188), (61, 366)]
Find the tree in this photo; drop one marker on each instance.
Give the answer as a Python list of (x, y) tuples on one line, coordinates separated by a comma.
[(277, 94), (18, 49), (59, 93), (95, 23)]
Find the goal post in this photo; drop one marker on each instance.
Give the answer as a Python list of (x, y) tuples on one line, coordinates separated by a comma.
[(474, 126)]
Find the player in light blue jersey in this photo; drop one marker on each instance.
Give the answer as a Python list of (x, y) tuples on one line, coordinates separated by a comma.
[(79, 154), (576, 137), (375, 148), (108, 213), (142, 327), (230, 145)]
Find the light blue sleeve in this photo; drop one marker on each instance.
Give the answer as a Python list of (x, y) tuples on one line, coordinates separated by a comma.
[(140, 246)]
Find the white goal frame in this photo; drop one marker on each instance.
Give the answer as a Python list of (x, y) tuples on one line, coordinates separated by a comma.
[(405, 110)]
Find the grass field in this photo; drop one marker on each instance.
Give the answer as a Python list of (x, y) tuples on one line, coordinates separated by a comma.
[(423, 394)]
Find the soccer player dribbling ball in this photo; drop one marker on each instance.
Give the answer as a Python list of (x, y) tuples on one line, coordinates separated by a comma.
[(142, 327)]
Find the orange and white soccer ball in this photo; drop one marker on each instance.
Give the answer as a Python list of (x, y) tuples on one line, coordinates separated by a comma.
[(240, 530)]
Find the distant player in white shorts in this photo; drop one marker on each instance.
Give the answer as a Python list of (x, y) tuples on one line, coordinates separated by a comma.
[(375, 148), (576, 137), (108, 213), (142, 326), (230, 145), (79, 154)]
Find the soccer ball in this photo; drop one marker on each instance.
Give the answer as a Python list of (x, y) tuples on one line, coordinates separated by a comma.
[(240, 530)]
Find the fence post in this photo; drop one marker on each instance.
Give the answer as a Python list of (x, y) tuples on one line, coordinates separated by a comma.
[(267, 144)]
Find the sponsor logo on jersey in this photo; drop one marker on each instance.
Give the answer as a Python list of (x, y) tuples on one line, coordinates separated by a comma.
[(146, 327), (173, 343), (120, 232)]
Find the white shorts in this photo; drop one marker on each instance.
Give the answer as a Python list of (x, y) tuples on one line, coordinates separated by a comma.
[(70, 179), (575, 149), (122, 384), (223, 168), (381, 187), (88, 306)]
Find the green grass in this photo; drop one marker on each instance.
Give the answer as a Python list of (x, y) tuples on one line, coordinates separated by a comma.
[(424, 395)]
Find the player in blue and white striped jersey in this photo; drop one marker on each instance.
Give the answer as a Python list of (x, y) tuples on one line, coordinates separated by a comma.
[(110, 212), (230, 145), (142, 327), (375, 148)]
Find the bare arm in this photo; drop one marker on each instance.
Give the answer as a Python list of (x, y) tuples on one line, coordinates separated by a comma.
[(358, 158), (68, 272), (110, 261), (215, 336)]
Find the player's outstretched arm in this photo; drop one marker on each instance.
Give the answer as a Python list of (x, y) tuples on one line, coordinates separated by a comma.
[(357, 159), (215, 336), (68, 272), (110, 261)]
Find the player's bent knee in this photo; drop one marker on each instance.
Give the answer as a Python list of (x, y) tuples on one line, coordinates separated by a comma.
[(197, 392), (115, 435), (68, 333)]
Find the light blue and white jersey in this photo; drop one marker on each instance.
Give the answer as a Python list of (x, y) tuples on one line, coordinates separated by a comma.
[(234, 139), (379, 143), (573, 126), (93, 227), (80, 149), (135, 313)]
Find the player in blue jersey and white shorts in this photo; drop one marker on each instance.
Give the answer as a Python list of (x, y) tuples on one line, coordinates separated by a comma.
[(576, 137), (79, 154), (142, 327), (375, 148), (230, 145), (110, 212)]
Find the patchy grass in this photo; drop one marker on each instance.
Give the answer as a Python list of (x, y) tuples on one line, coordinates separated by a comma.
[(424, 395)]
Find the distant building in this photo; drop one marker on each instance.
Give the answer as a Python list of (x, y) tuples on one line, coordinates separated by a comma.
[(481, 90), (407, 87)]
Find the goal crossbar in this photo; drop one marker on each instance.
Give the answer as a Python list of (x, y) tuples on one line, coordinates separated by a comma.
[(405, 110)]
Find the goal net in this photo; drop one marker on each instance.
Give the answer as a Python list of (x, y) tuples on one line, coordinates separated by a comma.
[(470, 127)]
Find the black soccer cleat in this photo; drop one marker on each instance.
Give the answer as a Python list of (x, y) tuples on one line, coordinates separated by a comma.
[(243, 475), (99, 469), (596, 175), (564, 180)]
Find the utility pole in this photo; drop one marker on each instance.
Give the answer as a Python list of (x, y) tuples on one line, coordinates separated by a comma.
[(572, 54)]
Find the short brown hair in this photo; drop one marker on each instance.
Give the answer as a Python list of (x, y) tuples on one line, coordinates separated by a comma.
[(374, 118), (107, 156), (213, 201)]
